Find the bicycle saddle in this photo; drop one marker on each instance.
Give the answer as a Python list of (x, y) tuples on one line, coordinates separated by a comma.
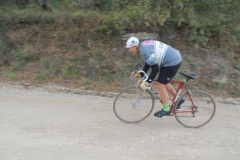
[(189, 76)]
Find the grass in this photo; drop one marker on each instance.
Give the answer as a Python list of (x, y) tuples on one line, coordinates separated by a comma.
[(71, 72), (238, 86), (87, 14), (60, 59), (34, 11), (53, 69), (27, 53), (97, 57), (43, 75), (20, 66), (2, 68), (237, 67), (44, 64), (88, 84), (13, 75)]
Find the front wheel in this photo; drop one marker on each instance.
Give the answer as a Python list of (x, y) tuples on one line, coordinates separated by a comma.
[(197, 110), (132, 105)]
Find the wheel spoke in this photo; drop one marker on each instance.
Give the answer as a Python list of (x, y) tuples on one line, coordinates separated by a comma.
[(133, 105), (199, 115)]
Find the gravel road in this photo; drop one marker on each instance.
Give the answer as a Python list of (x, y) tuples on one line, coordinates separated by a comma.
[(42, 125)]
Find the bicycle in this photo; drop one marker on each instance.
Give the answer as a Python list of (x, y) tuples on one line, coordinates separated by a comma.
[(197, 110)]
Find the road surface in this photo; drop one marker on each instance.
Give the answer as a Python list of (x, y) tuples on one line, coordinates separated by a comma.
[(41, 125)]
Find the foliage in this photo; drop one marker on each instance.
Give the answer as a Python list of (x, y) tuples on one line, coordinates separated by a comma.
[(23, 55), (135, 15), (53, 69), (209, 18), (71, 43), (2, 68), (44, 64), (3, 50), (42, 75), (71, 71), (201, 20), (13, 75), (14, 2)]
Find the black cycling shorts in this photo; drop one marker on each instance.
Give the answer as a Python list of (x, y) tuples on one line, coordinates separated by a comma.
[(167, 73)]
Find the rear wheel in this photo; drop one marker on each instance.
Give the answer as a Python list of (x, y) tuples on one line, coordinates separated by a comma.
[(132, 105), (195, 113)]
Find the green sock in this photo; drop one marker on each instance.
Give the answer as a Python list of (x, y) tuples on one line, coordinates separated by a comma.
[(166, 107)]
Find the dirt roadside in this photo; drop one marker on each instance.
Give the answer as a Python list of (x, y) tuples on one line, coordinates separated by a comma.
[(41, 123)]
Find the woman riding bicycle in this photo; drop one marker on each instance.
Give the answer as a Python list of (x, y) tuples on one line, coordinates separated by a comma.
[(162, 59)]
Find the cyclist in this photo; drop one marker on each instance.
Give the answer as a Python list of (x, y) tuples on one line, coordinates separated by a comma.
[(162, 59)]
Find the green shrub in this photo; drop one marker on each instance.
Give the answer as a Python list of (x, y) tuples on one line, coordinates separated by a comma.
[(13, 75), (42, 75), (131, 15), (237, 66), (44, 64), (3, 47), (71, 71), (53, 69), (2, 68), (28, 53), (201, 20), (60, 59), (20, 66)]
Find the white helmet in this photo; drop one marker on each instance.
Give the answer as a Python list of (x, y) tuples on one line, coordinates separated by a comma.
[(133, 41)]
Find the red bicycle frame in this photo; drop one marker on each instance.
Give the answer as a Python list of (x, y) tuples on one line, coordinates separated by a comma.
[(180, 84)]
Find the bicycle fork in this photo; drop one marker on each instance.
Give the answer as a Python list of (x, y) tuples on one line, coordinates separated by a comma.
[(138, 101)]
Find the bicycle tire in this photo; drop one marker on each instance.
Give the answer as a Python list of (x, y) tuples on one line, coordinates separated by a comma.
[(192, 117), (133, 113)]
